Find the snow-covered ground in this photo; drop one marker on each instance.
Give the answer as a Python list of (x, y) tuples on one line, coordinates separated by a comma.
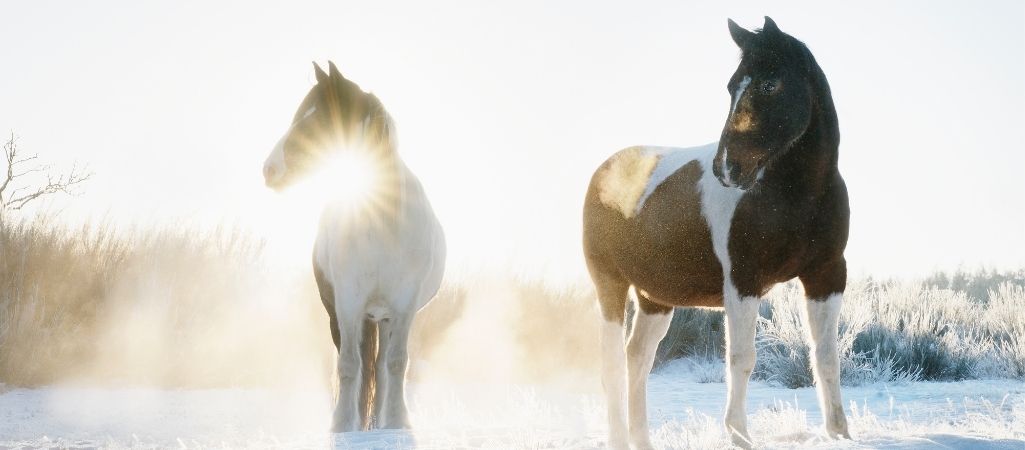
[(566, 414)]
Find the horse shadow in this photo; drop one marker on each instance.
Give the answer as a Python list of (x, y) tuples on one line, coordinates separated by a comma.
[(374, 440)]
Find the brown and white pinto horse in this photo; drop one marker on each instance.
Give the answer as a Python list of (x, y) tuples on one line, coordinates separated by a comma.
[(719, 225)]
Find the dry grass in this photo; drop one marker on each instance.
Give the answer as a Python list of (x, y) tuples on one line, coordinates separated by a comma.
[(165, 307), (180, 307)]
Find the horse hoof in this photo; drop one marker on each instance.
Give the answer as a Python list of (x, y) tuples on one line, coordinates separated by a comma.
[(397, 426), (838, 432), (741, 439), (618, 444), (742, 442), (339, 427)]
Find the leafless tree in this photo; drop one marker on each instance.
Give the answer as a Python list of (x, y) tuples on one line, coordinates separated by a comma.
[(22, 182)]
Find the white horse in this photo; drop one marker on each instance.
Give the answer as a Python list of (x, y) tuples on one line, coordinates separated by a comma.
[(378, 259)]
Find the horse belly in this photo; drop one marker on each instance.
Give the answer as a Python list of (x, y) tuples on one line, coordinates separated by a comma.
[(676, 270), (663, 246)]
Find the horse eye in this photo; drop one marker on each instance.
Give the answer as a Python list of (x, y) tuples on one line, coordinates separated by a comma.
[(768, 87)]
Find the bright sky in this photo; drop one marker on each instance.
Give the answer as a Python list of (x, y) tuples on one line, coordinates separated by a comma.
[(504, 110)]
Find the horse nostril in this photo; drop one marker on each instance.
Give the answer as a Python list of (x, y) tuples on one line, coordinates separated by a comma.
[(269, 171)]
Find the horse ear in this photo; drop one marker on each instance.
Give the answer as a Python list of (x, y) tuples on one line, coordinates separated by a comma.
[(770, 26), (740, 35), (321, 76), (333, 71)]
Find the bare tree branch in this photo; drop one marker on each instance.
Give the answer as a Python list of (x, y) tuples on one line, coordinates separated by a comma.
[(24, 191)]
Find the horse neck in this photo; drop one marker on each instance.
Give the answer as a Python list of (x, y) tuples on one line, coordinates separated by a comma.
[(812, 161), (393, 174)]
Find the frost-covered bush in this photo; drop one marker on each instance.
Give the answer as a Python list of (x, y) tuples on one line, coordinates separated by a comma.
[(892, 331)]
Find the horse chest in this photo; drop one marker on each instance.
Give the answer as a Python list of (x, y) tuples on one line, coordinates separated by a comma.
[(767, 242)]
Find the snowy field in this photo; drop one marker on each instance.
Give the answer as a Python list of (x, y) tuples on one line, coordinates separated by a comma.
[(570, 414)]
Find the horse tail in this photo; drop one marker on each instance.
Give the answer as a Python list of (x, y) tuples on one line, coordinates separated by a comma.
[(368, 351)]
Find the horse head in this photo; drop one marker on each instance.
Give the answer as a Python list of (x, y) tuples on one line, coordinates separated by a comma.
[(772, 103), (335, 119)]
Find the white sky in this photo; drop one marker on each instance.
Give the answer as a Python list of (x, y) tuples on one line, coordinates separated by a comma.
[(504, 110)]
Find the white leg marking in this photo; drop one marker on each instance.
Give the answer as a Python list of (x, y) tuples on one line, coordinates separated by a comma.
[(647, 331), (614, 381), (822, 318), (741, 322)]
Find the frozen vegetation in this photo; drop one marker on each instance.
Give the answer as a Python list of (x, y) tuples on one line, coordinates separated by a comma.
[(155, 338)]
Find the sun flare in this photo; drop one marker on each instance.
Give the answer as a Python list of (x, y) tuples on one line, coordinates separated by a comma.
[(349, 176)]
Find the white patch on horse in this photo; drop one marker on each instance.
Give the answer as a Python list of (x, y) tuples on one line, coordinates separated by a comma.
[(717, 206), (739, 92), (718, 203), (670, 160), (624, 179)]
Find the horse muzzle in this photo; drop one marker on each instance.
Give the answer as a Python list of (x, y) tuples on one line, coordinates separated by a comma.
[(274, 177), (741, 175)]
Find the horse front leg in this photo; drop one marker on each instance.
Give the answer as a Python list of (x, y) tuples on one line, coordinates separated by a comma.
[(823, 287), (391, 372), (822, 317), (741, 322), (347, 410)]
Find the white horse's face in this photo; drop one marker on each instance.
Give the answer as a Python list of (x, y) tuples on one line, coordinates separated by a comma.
[(330, 123), (277, 172)]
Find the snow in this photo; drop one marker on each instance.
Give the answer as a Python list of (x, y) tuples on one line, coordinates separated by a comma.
[(684, 413)]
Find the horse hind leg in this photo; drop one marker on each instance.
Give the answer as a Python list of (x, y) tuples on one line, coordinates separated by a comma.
[(368, 389), (651, 321), (612, 292)]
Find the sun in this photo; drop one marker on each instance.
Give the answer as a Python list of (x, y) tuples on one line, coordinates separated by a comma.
[(349, 177)]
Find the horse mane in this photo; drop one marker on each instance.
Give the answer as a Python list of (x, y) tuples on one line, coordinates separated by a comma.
[(785, 48), (379, 122)]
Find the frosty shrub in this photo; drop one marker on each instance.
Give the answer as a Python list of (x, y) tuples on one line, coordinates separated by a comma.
[(890, 331), (898, 331)]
